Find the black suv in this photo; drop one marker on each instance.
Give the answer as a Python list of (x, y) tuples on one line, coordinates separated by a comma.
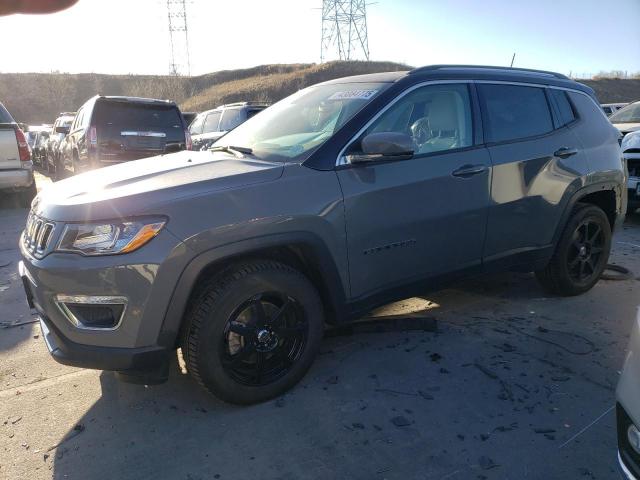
[(109, 130), (209, 126)]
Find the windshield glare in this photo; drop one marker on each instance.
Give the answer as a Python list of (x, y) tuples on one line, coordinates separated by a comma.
[(291, 129), (629, 114)]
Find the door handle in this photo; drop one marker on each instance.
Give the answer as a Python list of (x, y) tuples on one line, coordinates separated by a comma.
[(565, 152), (467, 171)]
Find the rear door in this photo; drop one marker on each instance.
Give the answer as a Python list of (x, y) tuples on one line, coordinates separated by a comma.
[(128, 131), (9, 154), (535, 158)]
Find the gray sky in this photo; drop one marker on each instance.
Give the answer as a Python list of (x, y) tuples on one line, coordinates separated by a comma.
[(131, 36)]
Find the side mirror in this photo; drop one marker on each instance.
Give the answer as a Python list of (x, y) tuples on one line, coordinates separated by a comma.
[(64, 130), (384, 146)]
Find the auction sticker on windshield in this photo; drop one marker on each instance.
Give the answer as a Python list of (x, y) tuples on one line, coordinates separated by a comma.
[(353, 94)]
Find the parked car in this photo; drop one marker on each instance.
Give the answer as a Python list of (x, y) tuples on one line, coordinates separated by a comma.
[(39, 149), (342, 197), (209, 126), (628, 408), (611, 108), (109, 130), (16, 167), (627, 119), (189, 117), (631, 154), (59, 131)]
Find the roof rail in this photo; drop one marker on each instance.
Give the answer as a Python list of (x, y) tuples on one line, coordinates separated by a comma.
[(430, 68), (67, 114)]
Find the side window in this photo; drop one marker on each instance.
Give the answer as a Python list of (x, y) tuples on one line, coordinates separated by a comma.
[(77, 121), (211, 123), (514, 112), (231, 118), (437, 117), (196, 126), (565, 111)]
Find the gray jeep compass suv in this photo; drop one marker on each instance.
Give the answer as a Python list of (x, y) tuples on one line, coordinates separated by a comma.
[(342, 197)]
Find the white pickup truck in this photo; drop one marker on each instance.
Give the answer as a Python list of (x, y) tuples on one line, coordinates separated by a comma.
[(16, 167)]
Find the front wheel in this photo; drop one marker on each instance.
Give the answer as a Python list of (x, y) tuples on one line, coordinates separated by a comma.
[(253, 332), (581, 255)]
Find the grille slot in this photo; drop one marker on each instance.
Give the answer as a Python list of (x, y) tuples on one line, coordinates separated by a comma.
[(37, 234)]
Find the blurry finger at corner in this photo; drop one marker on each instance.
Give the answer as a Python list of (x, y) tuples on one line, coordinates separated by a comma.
[(8, 7)]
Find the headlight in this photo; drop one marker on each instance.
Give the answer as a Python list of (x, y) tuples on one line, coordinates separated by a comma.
[(108, 238)]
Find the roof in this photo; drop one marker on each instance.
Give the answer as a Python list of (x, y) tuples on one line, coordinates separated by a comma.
[(151, 101), (470, 72)]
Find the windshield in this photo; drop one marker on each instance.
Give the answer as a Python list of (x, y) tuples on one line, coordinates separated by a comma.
[(291, 129), (629, 114)]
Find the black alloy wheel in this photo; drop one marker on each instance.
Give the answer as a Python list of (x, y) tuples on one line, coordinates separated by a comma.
[(263, 339), (587, 251), (253, 331)]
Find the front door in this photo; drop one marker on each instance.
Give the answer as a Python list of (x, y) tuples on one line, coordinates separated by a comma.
[(407, 220)]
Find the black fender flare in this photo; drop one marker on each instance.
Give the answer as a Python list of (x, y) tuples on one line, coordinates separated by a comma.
[(581, 193), (335, 287)]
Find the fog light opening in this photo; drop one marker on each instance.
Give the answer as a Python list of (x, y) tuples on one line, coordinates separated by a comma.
[(633, 435), (92, 312)]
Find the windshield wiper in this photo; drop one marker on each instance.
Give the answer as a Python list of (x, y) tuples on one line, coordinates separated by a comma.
[(237, 151)]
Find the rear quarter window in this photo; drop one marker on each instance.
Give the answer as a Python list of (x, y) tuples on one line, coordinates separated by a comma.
[(566, 114), (515, 112)]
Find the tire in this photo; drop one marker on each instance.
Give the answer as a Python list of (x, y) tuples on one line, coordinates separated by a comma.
[(25, 197), (581, 254), (253, 332)]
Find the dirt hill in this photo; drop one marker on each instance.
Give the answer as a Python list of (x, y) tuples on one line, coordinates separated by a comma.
[(38, 97)]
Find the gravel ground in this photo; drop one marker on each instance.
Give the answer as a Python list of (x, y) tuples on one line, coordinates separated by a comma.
[(505, 382)]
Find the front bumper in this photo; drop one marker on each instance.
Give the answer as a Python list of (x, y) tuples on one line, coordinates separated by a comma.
[(624, 471), (16, 179), (101, 358), (628, 458), (145, 277)]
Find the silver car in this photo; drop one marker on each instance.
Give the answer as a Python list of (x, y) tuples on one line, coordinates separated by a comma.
[(628, 408), (631, 153)]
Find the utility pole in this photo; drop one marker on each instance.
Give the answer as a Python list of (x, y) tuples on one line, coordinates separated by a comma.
[(344, 30), (180, 63)]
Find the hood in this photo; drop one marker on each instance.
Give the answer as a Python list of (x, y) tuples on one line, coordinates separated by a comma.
[(627, 127), (143, 186)]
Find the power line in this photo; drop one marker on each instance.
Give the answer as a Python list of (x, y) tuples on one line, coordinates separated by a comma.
[(344, 30)]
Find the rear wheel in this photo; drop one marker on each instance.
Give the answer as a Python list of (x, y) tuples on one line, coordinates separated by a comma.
[(581, 254), (253, 332)]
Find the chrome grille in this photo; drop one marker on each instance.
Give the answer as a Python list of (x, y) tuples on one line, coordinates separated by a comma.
[(37, 234)]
